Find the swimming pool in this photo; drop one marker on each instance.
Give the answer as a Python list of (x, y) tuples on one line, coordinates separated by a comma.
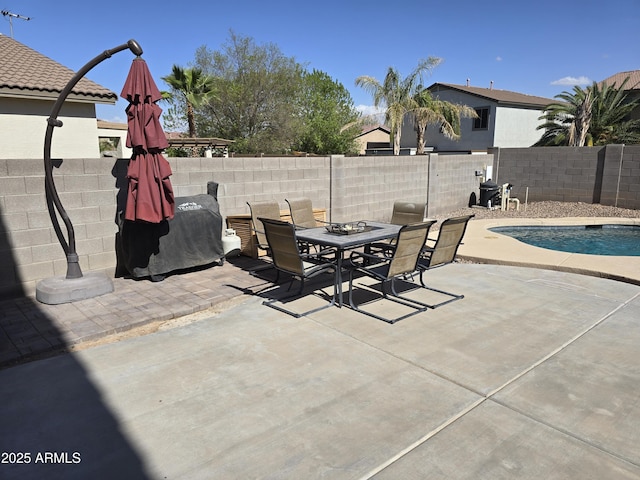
[(622, 240)]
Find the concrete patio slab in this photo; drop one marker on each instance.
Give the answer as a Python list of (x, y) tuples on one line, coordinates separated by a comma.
[(532, 375), (494, 442), (589, 389)]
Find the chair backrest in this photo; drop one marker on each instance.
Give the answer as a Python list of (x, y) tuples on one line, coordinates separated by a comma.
[(302, 213), (409, 242), (281, 238), (263, 210), (451, 233), (407, 212)]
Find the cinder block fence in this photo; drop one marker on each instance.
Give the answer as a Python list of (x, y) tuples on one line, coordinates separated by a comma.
[(349, 188)]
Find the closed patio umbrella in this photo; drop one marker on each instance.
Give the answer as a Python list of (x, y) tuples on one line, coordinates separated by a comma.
[(150, 195)]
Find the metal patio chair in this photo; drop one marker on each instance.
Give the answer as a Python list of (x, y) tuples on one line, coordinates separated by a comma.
[(443, 252), (268, 209), (409, 244), (301, 210), (403, 213), (286, 256)]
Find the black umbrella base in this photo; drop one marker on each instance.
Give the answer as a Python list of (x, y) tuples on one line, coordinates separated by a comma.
[(56, 290)]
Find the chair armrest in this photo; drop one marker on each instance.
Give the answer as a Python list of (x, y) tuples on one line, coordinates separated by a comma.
[(386, 248), (319, 254), (360, 259), (327, 250)]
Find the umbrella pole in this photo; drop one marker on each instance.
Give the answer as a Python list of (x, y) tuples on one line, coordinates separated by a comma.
[(53, 199), (74, 286)]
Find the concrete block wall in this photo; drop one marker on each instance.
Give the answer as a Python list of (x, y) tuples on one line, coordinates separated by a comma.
[(365, 187), (609, 175), (29, 247), (621, 176), (629, 190), (92, 191), (452, 180), (250, 179), (551, 173), (349, 188)]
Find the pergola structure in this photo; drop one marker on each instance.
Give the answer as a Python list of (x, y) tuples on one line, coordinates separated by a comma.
[(208, 143)]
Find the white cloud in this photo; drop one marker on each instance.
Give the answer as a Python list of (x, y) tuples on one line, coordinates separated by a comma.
[(376, 114), (498, 59), (369, 109), (572, 81)]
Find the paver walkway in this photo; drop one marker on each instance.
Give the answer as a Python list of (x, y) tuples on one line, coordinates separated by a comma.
[(30, 329)]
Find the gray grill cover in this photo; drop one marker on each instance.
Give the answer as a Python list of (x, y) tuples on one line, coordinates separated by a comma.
[(192, 238)]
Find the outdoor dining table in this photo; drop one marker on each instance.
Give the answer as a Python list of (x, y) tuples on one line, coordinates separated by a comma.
[(343, 242)]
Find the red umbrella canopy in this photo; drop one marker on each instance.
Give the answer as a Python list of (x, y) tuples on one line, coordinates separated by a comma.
[(150, 194), (143, 113)]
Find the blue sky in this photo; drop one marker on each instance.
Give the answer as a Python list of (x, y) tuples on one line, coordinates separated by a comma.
[(540, 47)]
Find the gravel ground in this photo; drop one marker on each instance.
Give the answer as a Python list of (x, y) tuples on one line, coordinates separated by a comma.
[(545, 210)]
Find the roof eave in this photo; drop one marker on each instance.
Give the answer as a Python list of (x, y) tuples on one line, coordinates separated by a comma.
[(52, 96), (502, 103), (531, 106)]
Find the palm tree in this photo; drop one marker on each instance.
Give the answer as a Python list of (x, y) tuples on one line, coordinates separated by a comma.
[(610, 122), (596, 115), (396, 95), (194, 87), (432, 111), (567, 122)]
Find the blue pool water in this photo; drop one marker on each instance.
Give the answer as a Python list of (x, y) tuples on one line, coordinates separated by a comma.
[(591, 239)]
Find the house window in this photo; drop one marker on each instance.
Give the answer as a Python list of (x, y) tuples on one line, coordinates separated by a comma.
[(482, 122)]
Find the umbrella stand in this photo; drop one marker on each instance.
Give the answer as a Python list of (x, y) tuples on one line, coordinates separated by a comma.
[(53, 291)]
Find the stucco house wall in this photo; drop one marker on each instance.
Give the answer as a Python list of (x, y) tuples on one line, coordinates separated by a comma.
[(115, 130), (513, 120), (23, 125), (470, 139), (516, 127), (30, 84)]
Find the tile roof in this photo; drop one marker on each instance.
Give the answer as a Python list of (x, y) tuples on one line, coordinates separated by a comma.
[(618, 78), (27, 73), (371, 127), (503, 97)]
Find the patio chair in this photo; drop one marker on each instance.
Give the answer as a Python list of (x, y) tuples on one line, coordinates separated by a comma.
[(409, 244), (269, 209), (301, 210), (403, 213), (443, 252), (283, 245), (407, 212)]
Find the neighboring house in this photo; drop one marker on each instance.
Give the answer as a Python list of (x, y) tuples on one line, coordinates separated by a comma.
[(506, 119), (373, 136), (113, 139), (632, 88), (30, 83)]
